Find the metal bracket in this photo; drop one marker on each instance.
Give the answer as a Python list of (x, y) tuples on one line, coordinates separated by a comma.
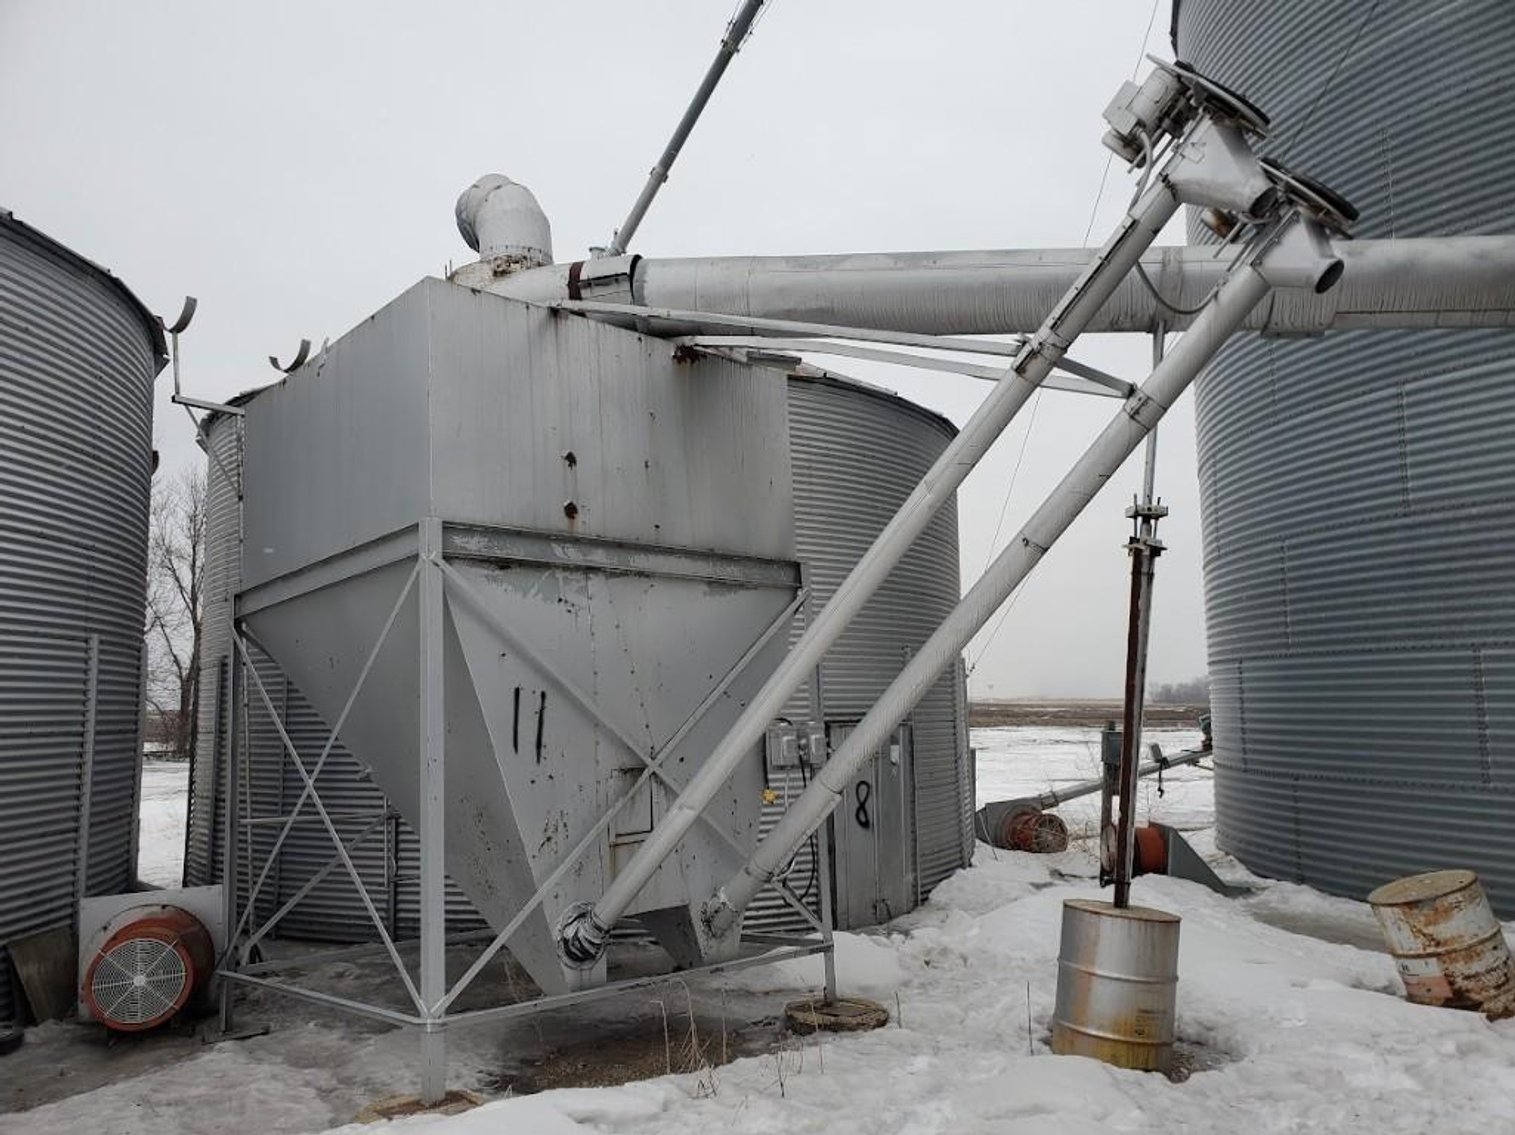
[(294, 364)]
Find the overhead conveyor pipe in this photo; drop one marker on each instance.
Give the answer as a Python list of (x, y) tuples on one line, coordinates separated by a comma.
[(1248, 284), (1428, 282), (1210, 164)]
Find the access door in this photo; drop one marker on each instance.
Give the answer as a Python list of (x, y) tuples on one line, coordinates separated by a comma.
[(874, 835)]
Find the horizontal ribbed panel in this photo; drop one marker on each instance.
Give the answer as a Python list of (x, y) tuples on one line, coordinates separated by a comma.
[(76, 369), (1358, 496), (857, 456)]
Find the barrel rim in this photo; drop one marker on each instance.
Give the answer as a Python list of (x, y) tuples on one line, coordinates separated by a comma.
[(1132, 913), (1425, 887)]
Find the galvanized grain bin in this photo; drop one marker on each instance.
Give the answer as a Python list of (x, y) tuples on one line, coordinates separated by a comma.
[(1357, 490), (78, 354)]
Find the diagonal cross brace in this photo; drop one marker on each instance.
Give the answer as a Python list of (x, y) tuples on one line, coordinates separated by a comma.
[(331, 828), (305, 793)]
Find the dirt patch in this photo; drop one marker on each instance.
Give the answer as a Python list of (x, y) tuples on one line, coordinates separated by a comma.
[(455, 1102), (644, 1050), (1190, 1056)]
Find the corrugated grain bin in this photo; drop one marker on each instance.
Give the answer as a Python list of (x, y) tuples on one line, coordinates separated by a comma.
[(1357, 490), (78, 354)]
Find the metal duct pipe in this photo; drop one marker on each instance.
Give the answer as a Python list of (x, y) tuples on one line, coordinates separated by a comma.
[(1054, 797), (1387, 284), (1243, 290)]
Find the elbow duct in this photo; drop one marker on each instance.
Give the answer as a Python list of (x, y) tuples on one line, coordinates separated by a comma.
[(1384, 284)]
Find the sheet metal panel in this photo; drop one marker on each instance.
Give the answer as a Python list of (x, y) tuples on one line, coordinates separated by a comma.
[(272, 785), (858, 452), (1357, 492), (77, 360)]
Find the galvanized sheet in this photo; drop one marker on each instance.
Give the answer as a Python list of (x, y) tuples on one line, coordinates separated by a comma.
[(858, 453), (77, 361), (1358, 497), (272, 786)]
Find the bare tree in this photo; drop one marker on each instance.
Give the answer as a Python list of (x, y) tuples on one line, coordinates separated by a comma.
[(175, 578), (1196, 691)]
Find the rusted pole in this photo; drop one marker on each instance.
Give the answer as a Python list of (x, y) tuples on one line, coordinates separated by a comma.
[(1144, 548)]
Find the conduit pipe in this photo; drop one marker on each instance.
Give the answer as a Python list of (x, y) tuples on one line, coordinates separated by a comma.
[(1459, 282), (1209, 165), (1247, 285)]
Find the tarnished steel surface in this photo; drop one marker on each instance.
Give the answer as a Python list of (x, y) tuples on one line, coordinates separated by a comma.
[(1449, 949), (1358, 497), (850, 444), (1468, 282), (568, 656), (385, 859), (78, 355), (857, 454), (1117, 985)]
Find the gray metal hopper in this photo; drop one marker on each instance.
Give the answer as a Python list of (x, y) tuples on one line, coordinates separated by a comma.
[(616, 535)]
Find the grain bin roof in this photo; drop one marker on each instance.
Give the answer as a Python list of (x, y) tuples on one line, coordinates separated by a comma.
[(151, 322)]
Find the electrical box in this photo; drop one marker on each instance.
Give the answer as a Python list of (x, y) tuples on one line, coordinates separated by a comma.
[(813, 745), (782, 750)]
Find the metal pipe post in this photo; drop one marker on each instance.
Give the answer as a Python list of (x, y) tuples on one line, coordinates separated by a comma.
[(1144, 553), (583, 937), (1144, 548), (229, 833), (731, 43), (86, 769), (1242, 290), (432, 827), (822, 861)]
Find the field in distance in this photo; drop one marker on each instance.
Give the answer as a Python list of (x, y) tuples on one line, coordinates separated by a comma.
[(1092, 713)]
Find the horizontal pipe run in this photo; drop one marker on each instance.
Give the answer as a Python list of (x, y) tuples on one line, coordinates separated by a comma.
[(1423, 282), (1055, 797)]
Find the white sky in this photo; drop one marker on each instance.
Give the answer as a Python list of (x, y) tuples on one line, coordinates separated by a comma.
[(294, 165)]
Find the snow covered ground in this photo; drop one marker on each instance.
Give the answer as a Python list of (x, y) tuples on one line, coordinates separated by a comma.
[(160, 849), (1285, 1031)]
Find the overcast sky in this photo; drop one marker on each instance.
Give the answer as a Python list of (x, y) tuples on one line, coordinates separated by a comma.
[(294, 165)]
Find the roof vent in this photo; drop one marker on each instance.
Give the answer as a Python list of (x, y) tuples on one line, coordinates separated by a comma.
[(501, 220)]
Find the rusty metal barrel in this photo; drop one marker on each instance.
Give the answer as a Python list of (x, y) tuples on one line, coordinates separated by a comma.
[(1449, 949), (1117, 985)]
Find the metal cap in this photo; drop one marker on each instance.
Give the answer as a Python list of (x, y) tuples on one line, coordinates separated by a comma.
[(1419, 888)]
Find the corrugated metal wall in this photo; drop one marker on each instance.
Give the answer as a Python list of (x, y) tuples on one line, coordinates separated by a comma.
[(857, 454), (77, 362), (1358, 492)]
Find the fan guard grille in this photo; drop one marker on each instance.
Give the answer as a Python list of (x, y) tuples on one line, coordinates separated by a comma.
[(150, 963), (138, 982)]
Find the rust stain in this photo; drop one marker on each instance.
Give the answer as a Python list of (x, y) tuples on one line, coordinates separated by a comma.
[(1448, 948)]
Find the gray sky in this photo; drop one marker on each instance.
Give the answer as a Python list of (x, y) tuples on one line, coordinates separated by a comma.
[(294, 165)]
